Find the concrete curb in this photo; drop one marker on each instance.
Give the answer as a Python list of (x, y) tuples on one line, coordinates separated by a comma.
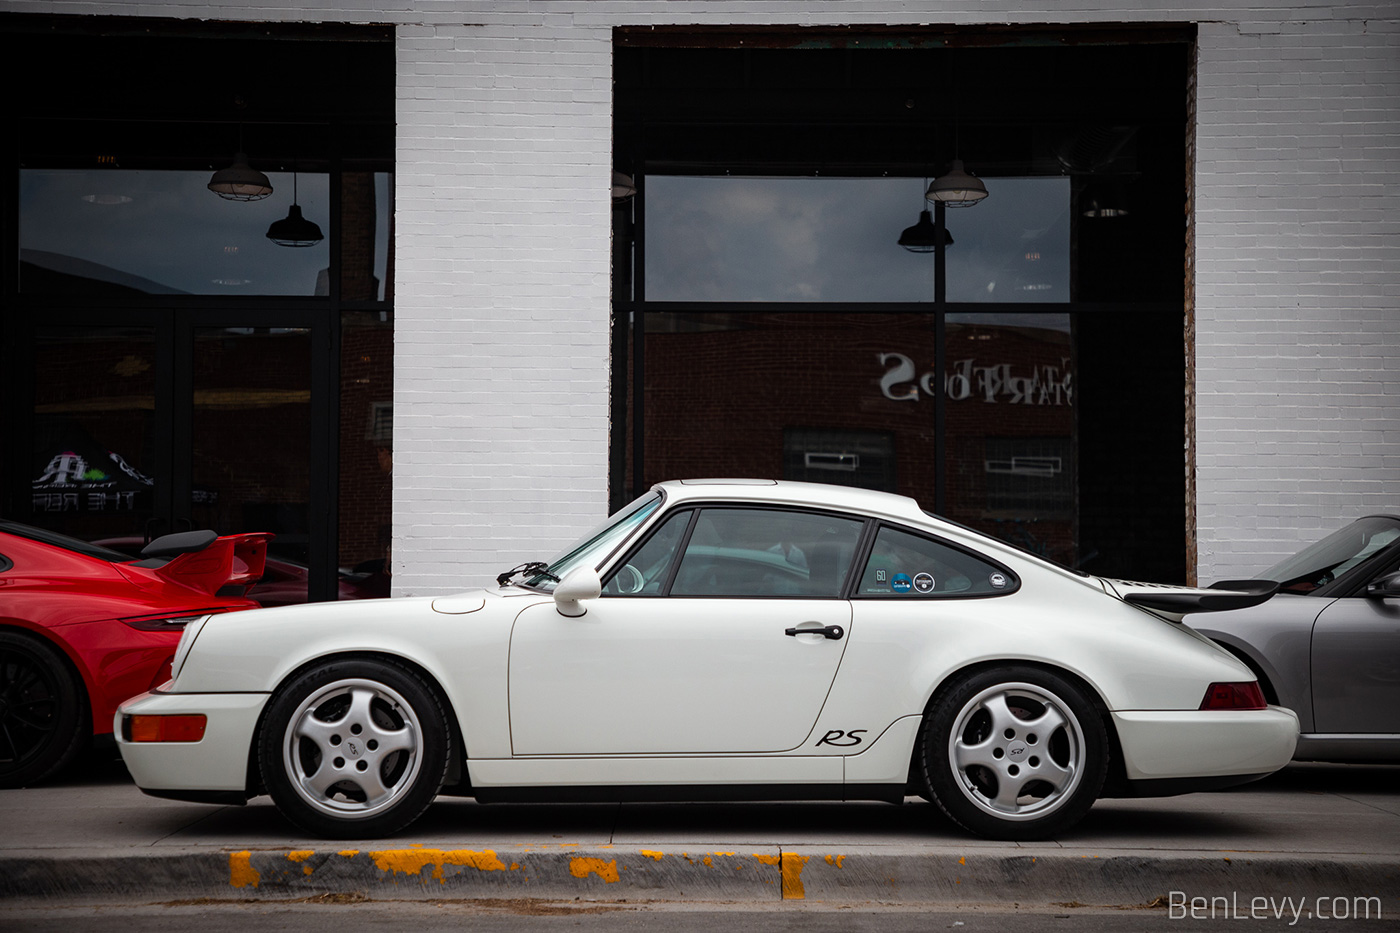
[(753, 874)]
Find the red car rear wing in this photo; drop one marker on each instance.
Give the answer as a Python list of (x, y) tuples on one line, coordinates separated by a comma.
[(230, 560)]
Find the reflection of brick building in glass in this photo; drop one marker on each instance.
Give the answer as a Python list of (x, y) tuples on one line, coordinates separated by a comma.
[(366, 437), (847, 398)]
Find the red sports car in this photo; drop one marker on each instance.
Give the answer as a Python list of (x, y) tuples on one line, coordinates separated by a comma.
[(83, 628)]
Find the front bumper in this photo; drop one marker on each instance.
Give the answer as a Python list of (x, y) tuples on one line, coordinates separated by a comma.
[(216, 767), (1165, 745)]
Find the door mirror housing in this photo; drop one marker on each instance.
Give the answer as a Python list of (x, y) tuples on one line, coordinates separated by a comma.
[(1384, 587), (578, 584)]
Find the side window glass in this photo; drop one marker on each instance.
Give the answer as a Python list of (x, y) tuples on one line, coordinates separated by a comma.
[(644, 573), (908, 566), (767, 552)]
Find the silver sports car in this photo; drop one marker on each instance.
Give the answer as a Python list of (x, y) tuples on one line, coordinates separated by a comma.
[(1328, 645)]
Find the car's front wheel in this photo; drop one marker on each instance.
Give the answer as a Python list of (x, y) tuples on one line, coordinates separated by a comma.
[(355, 748), (1014, 753)]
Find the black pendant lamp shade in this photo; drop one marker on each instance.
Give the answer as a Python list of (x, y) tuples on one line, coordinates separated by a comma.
[(294, 229), (925, 236)]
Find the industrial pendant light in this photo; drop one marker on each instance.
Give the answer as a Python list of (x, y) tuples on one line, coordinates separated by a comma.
[(623, 186), (925, 236), (294, 229), (240, 181), (957, 188)]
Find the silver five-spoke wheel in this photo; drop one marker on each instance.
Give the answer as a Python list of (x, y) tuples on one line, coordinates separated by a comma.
[(355, 748), (1017, 752), (1014, 753), (352, 748)]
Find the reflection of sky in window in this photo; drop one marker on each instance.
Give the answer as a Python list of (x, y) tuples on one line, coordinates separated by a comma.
[(383, 185), (1013, 246), (835, 239), (164, 231)]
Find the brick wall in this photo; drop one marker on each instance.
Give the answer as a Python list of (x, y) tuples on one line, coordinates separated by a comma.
[(1297, 283), (502, 225)]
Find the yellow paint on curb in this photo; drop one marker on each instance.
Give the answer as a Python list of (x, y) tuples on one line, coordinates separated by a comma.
[(836, 860), (413, 861), (654, 855), (241, 873), (791, 865), (583, 867), (792, 876), (349, 853), (300, 855)]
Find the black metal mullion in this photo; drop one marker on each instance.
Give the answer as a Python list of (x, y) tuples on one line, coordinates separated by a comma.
[(940, 369), (324, 493), (639, 316), (175, 423)]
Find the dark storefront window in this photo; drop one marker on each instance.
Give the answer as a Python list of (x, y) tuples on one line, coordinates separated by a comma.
[(117, 232), (177, 359), (1022, 374)]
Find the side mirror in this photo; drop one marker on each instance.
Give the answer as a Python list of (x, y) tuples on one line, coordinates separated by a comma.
[(578, 584), (1386, 586)]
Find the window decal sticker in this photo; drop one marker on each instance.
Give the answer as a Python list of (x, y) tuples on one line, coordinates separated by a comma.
[(901, 583), (923, 582)]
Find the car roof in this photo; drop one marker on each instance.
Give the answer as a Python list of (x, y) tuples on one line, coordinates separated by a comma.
[(790, 492)]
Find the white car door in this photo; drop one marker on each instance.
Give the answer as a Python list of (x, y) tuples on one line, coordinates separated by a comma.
[(721, 634)]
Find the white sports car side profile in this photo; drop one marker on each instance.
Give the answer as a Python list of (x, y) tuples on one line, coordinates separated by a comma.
[(721, 640)]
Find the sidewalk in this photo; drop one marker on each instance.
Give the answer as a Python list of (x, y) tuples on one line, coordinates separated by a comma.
[(1311, 831)]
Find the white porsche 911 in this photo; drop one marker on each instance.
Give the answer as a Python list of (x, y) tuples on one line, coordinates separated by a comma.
[(725, 639)]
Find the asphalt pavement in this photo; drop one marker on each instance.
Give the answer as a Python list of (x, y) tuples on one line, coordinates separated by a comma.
[(1320, 838)]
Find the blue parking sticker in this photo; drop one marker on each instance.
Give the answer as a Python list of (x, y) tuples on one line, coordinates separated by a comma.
[(901, 583)]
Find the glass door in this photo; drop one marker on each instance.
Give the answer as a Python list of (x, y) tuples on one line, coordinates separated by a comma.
[(95, 466), (186, 419)]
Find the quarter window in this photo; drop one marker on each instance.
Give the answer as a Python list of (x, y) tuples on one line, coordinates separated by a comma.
[(909, 566)]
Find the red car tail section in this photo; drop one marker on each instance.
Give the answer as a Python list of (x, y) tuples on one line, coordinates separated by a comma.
[(232, 560)]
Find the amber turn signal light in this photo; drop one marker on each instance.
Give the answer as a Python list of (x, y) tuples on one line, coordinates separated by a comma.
[(166, 728), (1234, 696)]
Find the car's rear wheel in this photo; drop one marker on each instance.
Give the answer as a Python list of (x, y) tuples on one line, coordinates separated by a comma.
[(44, 716), (355, 748), (1014, 753)]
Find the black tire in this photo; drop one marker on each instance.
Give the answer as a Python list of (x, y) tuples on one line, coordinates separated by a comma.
[(1014, 753), (44, 717), (355, 748)]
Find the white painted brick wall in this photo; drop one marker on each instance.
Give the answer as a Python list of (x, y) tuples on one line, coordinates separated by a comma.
[(502, 291), (1297, 284)]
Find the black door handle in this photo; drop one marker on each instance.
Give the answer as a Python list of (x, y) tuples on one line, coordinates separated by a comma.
[(830, 631)]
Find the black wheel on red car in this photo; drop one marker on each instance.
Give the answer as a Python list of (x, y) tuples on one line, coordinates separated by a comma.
[(355, 748), (44, 716), (1014, 753)]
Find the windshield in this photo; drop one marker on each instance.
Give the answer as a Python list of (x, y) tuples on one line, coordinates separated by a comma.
[(598, 543), (1334, 555)]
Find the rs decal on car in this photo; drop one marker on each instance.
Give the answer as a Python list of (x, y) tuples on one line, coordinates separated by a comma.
[(841, 738)]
